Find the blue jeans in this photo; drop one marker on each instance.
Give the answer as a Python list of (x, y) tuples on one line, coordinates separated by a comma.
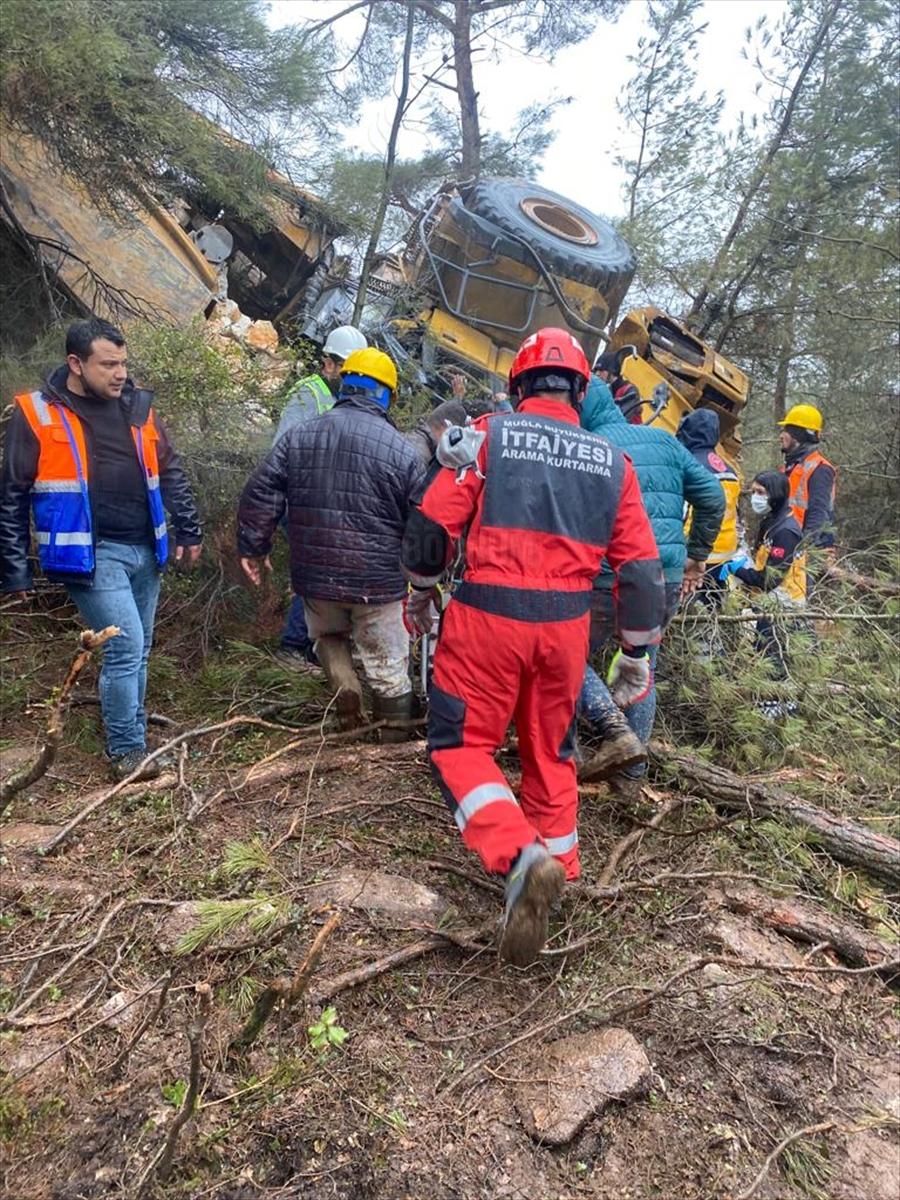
[(595, 703), (124, 592), (295, 635)]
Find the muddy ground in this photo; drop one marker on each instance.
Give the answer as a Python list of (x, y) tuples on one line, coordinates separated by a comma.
[(452, 1080)]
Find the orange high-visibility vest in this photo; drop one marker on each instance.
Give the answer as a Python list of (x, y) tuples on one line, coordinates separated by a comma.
[(60, 500), (798, 481)]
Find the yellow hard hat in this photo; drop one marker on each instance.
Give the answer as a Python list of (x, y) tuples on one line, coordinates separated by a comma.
[(373, 363), (804, 416)]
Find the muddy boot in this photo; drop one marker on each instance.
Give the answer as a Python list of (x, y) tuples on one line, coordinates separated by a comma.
[(393, 708), (625, 788), (334, 655), (620, 748), (532, 887)]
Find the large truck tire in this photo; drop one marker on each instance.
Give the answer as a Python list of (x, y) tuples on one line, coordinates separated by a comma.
[(572, 241)]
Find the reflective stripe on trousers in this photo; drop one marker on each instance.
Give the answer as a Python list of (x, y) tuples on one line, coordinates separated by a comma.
[(479, 798), (488, 671)]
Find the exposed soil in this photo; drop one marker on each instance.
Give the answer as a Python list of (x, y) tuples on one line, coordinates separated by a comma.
[(419, 1102)]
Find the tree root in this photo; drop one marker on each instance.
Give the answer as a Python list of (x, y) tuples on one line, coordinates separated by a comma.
[(287, 990), (88, 642), (160, 1167)]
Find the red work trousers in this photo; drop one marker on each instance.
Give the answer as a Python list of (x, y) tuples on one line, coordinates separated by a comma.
[(489, 670)]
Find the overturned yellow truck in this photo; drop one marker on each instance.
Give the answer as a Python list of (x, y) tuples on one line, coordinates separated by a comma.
[(167, 263), (489, 262), (483, 265)]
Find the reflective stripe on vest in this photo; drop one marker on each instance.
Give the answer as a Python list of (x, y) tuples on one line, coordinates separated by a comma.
[(798, 481), (726, 542), (321, 392), (60, 500)]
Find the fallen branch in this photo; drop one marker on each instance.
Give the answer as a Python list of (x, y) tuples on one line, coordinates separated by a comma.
[(779, 615), (399, 752), (332, 759), (122, 1057), (866, 583), (579, 1009), (625, 844), (161, 1165), (153, 718), (650, 996), (807, 1131), (380, 966), (10, 1082), (655, 881), (815, 927), (284, 990), (101, 799), (844, 840), (88, 642), (12, 1018)]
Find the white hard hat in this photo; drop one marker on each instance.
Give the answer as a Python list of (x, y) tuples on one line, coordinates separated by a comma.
[(341, 342)]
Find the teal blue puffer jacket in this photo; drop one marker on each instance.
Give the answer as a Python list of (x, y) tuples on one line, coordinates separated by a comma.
[(668, 476)]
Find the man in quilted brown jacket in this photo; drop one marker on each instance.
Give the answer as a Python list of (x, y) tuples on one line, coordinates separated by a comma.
[(345, 479)]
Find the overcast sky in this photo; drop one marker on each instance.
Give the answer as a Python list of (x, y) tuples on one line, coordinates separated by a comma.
[(590, 130)]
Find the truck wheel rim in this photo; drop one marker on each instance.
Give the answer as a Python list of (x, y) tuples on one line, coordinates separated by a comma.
[(558, 220)]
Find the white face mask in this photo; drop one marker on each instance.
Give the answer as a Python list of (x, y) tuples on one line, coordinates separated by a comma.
[(759, 504)]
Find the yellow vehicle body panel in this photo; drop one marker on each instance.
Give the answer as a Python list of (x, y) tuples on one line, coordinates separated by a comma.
[(702, 377), (304, 238), (460, 339), (148, 257), (646, 379)]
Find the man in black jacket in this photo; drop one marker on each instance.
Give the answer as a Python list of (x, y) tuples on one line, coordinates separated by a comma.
[(345, 478), (88, 455)]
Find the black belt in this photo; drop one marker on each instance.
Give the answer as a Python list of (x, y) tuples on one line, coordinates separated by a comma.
[(524, 604)]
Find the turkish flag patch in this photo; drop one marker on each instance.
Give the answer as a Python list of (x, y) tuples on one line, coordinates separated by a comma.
[(715, 462), (777, 552)]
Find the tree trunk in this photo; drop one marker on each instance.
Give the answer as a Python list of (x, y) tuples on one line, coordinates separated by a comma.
[(645, 125), (786, 353), (465, 90), (389, 160), (762, 169), (844, 840)]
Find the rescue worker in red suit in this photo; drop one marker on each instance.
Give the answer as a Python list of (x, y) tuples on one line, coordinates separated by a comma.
[(540, 503)]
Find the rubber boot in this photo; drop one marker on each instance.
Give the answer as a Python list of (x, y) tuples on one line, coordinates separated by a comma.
[(533, 886), (393, 708), (620, 748), (334, 655)]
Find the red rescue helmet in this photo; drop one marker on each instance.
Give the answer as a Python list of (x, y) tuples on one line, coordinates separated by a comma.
[(550, 352)]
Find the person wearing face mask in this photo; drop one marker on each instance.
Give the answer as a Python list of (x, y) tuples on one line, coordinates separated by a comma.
[(777, 567)]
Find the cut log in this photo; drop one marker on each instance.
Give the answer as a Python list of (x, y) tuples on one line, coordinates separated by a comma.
[(866, 583), (845, 840), (815, 927)]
